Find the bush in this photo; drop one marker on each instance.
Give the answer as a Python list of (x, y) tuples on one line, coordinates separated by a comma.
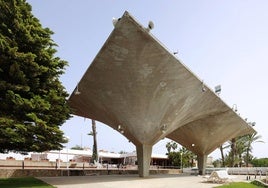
[(263, 162), (259, 183)]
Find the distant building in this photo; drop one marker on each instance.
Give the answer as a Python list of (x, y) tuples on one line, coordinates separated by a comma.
[(67, 155)]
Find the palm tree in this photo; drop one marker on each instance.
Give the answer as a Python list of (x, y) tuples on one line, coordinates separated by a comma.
[(171, 146), (188, 157), (249, 140), (240, 150), (222, 147), (95, 148), (233, 151)]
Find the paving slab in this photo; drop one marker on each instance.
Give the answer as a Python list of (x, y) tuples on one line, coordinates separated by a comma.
[(132, 181)]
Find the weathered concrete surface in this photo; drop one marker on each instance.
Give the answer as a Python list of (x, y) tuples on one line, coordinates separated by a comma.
[(136, 85), (209, 132), (144, 153)]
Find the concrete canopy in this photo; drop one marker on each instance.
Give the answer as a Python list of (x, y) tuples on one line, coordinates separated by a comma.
[(208, 133), (136, 86)]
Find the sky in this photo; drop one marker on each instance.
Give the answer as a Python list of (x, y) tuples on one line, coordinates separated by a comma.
[(223, 42)]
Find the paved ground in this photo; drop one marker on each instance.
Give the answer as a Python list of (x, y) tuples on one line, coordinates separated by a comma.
[(132, 181)]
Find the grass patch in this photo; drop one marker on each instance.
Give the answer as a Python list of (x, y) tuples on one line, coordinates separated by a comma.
[(23, 183), (238, 185)]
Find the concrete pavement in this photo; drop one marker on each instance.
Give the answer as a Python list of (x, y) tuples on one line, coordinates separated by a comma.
[(132, 181)]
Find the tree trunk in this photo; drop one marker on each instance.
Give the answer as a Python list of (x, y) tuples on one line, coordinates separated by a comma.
[(240, 160), (95, 149), (222, 156), (247, 157), (233, 151)]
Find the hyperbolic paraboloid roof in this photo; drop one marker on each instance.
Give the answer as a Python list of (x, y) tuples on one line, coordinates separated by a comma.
[(136, 86)]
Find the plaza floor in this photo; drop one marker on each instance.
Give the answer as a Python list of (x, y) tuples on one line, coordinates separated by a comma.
[(132, 181)]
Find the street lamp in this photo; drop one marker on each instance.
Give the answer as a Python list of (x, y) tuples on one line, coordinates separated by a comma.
[(77, 92), (59, 160), (67, 138), (181, 163), (252, 124), (218, 89), (234, 107)]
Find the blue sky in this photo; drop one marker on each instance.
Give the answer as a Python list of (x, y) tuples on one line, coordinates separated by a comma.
[(222, 42)]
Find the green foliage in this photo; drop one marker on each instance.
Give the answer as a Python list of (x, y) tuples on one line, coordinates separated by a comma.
[(217, 163), (263, 162), (171, 146), (23, 182), (33, 100), (249, 140), (240, 150), (180, 158), (258, 183), (175, 158), (77, 147)]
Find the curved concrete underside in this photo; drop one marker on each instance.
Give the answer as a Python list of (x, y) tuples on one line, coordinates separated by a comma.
[(205, 135), (136, 85)]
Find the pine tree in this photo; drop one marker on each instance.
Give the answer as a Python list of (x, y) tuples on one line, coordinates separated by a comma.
[(32, 99)]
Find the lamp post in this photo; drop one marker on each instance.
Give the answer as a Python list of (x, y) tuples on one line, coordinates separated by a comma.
[(67, 152), (59, 160), (181, 163)]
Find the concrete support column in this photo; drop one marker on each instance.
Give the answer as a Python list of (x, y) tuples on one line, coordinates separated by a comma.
[(144, 153), (202, 163)]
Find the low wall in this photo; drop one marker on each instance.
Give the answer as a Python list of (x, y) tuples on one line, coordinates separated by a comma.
[(7, 173), (40, 164), (241, 170), (26, 163), (17, 168)]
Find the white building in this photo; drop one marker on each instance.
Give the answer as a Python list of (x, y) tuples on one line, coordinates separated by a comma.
[(67, 155)]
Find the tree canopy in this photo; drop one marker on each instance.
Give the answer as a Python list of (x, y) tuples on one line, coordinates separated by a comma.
[(33, 100), (181, 157), (240, 150), (262, 162), (77, 147)]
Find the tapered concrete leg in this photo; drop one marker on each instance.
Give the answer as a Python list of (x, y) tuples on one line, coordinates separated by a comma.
[(202, 163), (144, 153)]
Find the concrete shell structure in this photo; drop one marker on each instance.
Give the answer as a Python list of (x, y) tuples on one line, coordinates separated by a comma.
[(137, 87)]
